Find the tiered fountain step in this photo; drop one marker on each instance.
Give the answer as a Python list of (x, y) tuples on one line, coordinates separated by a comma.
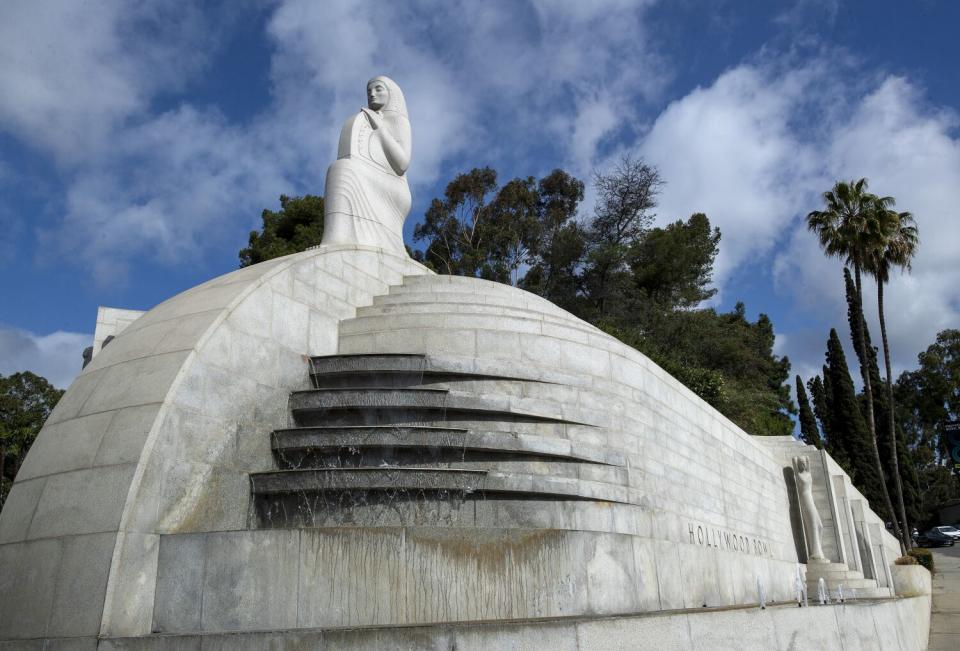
[(372, 438), (839, 574), (355, 446)]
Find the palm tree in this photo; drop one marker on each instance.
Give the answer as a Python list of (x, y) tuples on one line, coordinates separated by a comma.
[(900, 246), (852, 227)]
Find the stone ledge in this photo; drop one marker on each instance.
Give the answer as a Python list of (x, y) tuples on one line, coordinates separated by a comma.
[(777, 627)]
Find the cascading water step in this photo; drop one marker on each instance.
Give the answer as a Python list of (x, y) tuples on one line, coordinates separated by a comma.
[(373, 445), (379, 362), (400, 479), (368, 479), (295, 446), (404, 405)]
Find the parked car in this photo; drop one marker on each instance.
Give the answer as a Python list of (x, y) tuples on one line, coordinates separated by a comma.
[(953, 532), (934, 538)]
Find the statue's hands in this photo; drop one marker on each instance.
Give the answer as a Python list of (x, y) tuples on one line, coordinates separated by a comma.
[(376, 120)]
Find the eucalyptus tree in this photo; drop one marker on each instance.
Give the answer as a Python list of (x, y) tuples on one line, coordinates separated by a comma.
[(898, 249), (853, 225), (626, 197)]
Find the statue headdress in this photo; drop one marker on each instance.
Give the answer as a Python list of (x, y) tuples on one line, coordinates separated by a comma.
[(397, 103)]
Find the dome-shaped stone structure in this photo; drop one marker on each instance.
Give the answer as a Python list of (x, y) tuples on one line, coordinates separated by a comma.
[(342, 439)]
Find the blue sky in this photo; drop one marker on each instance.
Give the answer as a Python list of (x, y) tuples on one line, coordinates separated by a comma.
[(140, 141)]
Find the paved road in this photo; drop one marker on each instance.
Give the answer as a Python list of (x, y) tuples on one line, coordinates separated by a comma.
[(945, 616)]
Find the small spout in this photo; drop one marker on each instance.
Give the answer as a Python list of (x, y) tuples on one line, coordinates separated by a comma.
[(822, 592)]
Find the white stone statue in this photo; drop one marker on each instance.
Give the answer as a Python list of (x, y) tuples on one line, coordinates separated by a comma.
[(367, 197), (812, 524)]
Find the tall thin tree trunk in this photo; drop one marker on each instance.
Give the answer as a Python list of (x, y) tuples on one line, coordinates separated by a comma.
[(865, 372), (891, 421), (3, 456)]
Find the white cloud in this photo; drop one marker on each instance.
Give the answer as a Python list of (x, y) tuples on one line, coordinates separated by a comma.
[(729, 151), (57, 356), (72, 72), (184, 177), (803, 12)]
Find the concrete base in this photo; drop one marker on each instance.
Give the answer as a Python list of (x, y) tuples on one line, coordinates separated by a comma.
[(897, 624)]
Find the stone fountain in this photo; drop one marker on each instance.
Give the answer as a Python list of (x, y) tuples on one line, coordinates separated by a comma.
[(342, 448)]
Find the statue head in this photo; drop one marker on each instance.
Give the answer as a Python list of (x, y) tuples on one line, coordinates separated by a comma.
[(802, 464), (384, 95)]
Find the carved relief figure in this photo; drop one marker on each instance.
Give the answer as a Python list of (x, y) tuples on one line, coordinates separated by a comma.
[(812, 524), (367, 197)]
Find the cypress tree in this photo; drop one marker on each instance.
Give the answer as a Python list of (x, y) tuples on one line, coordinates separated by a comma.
[(808, 424), (847, 425), (821, 392)]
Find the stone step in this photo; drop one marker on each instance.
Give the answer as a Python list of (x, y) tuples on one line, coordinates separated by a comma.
[(443, 282), (820, 566), (872, 592), (834, 574), (369, 398), (307, 448), (448, 307), (390, 371), (331, 439), (419, 402), (464, 298), (345, 479), (846, 583), (383, 363), (447, 459), (528, 324), (432, 480), (512, 424)]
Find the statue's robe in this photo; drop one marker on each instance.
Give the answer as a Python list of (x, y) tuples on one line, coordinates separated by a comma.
[(366, 200)]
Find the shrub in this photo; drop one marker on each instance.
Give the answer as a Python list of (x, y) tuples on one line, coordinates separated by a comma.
[(906, 560), (923, 556)]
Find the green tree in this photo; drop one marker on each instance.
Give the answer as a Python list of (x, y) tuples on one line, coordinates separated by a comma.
[(555, 270), (931, 395), (626, 197), (852, 227), (723, 358), (821, 409), (456, 227), (296, 227), (673, 265), (26, 401), (514, 226), (848, 429), (899, 246), (926, 398), (808, 424)]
